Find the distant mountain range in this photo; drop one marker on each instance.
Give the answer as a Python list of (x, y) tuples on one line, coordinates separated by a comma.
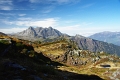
[(95, 45), (110, 37), (83, 43)]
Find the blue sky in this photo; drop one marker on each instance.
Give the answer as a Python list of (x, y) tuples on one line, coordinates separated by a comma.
[(84, 17)]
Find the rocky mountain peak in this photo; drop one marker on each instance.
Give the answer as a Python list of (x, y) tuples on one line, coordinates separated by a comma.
[(40, 32), (30, 28), (50, 27), (79, 36)]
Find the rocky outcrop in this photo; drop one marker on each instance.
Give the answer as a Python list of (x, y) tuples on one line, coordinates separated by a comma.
[(115, 75), (77, 57)]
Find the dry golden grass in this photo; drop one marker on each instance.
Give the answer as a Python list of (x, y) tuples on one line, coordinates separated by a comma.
[(54, 48)]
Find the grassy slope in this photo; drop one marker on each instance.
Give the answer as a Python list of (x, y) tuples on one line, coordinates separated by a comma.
[(90, 68)]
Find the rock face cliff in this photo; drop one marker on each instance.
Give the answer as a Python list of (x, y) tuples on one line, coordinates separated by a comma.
[(40, 32), (95, 45)]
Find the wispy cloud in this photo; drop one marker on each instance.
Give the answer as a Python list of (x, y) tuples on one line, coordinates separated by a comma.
[(68, 1), (70, 21), (30, 22), (12, 4), (6, 4), (47, 9), (7, 14), (76, 29), (13, 30), (71, 30), (6, 7), (24, 19), (22, 0), (87, 5), (11, 14), (21, 14), (35, 1), (54, 1)]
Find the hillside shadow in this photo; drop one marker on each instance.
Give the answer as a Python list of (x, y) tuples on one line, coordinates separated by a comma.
[(38, 65)]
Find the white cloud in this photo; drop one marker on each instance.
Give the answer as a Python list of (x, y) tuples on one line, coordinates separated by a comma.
[(87, 5), (24, 19), (35, 1), (62, 1), (29, 22), (12, 30), (7, 14), (21, 14), (66, 1), (75, 29), (69, 21), (47, 9), (6, 4), (6, 7), (71, 30), (21, 0), (54, 1)]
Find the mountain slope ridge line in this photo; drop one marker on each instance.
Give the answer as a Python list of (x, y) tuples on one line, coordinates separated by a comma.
[(47, 34)]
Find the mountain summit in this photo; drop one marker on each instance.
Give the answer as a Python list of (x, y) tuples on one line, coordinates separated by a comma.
[(40, 32)]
